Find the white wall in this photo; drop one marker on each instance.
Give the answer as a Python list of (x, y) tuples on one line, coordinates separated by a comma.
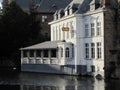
[(79, 39), (98, 63)]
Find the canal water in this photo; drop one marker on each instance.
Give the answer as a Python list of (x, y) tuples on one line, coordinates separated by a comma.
[(37, 81)]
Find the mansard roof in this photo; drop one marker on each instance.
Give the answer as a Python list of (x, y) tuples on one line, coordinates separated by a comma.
[(84, 5), (50, 6), (24, 4)]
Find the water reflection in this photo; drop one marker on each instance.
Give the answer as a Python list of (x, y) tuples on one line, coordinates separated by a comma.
[(36, 81)]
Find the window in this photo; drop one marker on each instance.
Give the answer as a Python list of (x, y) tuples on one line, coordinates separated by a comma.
[(67, 52), (86, 30), (25, 53), (72, 29), (45, 53), (31, 53), (87, 51), (53, 53), (68, 12), (92, 29), (98, 50), (92, 68), (38, 53), (44, 18), (92, 50), (98, 28)]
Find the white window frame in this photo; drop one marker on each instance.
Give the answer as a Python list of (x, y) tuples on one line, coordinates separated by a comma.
[(44, 18), (86, 30), (93, 50), (92, 29), (98, 28), (87, 50), (99, 50)]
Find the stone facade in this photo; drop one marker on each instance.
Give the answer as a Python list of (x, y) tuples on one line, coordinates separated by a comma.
[(112, 42)]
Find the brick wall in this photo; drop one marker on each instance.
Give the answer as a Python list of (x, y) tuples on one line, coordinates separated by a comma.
[(110, 31)]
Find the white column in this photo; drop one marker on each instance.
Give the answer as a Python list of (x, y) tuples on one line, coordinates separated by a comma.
[(49, 56), (28, 56), (42, 56), (64, 58), (59, 55), (35, 56), (21, 56)]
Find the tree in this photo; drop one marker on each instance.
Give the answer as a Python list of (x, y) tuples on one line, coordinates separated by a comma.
[(17, 29)]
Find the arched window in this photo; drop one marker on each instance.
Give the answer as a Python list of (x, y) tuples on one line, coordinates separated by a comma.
[(67, 52)]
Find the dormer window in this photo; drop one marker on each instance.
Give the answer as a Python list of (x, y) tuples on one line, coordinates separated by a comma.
[(61, 13), (74, 7), (56, 15), (67, 12), (44, 18), (94, 5)]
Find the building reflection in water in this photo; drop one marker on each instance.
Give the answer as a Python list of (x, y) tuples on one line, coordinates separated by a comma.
[(56, 82), (35, 81)]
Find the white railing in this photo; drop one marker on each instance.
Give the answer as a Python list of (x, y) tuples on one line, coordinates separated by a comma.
[(54, 61), (39, 61)]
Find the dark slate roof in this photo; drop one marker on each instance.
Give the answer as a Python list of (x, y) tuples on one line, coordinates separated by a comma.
[(84, 6), (24, 4), (50, 6), (44, 45)]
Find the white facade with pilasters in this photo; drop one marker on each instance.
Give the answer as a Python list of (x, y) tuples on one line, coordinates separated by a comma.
[(77, 35)]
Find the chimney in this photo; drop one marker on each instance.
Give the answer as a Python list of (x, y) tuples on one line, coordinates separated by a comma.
[(106, 3)]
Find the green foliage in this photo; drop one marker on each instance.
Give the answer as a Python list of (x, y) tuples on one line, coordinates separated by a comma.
[(17, 29)]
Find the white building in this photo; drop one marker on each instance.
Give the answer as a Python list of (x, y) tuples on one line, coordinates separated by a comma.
[(77, 41)]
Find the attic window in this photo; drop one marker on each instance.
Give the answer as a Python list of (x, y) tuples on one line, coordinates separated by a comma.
[(61, 13), (44, 18), (56, 15), (74, 7), (94, 5), (67, 12)]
